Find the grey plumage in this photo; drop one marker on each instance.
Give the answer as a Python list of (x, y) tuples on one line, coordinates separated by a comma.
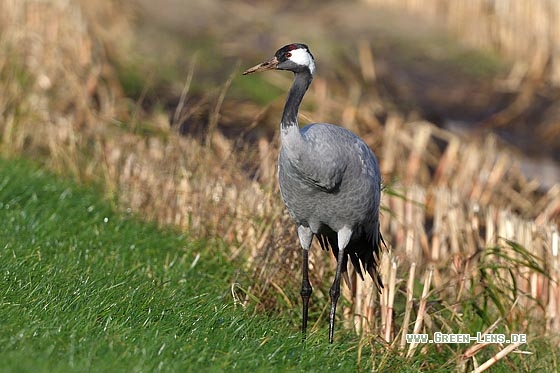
[(330, 182)]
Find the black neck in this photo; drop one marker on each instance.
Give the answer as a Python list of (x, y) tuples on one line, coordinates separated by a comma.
[(302, 80)]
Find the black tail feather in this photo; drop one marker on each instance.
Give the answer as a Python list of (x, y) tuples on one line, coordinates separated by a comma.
[(364, 252)]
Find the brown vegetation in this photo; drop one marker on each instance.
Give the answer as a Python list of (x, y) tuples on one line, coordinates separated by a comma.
[(525, 30), (458, 215)]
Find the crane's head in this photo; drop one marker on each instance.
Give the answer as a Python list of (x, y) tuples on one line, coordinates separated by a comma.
[(294, 57)]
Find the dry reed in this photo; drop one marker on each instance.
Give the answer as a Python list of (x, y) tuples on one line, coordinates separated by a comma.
[(526, 30)]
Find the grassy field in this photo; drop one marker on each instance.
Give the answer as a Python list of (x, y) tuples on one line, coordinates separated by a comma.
[(87, 289)]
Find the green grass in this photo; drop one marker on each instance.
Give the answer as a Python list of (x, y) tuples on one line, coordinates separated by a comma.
[(87, 289)]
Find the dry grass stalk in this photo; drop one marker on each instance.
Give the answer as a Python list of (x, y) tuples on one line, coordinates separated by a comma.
[(387, 302), (366, 61), (409, 304), (500, 355), (421, 310), (177, 115), (474, 349)]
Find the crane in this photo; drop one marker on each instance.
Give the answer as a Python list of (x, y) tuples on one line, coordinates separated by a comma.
[(330, 182)]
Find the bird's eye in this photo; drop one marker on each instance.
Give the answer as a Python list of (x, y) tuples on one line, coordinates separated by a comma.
[(288, 55)]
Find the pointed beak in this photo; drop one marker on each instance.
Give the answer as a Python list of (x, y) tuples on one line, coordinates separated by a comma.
[(266, 65)]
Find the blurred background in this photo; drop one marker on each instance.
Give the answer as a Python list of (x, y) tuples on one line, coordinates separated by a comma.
[(474, 66)]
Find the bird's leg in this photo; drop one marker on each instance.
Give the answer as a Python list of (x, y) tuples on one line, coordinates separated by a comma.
[(305, 236), (335, 293), (343, 238), (306, 291)]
